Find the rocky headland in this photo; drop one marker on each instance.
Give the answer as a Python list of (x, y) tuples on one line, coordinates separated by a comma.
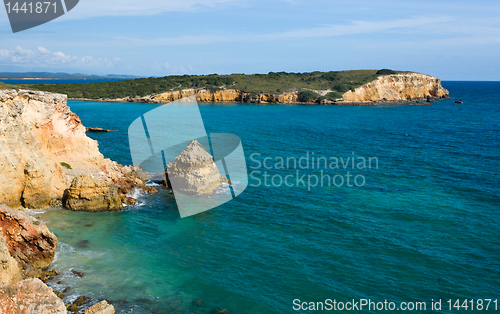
[(47, 161), (398, 87), (45, 151), (386, 88)]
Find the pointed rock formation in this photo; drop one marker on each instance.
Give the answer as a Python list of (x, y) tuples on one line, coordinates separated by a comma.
[(194, 172)]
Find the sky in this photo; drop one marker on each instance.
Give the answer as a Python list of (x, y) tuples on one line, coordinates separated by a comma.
[(453, 40)]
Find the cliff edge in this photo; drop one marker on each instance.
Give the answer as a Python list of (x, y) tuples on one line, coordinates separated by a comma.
[(398, 87)]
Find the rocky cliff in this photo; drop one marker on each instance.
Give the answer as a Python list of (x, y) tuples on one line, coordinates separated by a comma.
[(44, 148), (398, 87), (228, 95)]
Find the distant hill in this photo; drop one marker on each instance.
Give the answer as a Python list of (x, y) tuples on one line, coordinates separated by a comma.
[(336, 82), (61, 76)]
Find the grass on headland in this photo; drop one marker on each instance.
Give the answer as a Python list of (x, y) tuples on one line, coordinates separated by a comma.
[(338, 82)]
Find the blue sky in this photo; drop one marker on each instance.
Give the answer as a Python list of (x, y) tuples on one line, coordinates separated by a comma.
[(453, 40)]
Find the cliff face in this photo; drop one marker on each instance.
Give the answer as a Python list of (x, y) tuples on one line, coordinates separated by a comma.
[(398, 87), (227, 95), (44, 147)]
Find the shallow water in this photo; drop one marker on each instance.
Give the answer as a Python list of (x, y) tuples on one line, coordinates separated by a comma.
[(424, 226)]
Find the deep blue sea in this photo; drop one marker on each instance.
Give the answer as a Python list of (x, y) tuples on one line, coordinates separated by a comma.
[(423, 225), (54, 81)]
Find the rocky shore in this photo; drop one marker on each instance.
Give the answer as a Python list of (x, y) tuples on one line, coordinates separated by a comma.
[(47, 161), (27, 248), (387, 88)]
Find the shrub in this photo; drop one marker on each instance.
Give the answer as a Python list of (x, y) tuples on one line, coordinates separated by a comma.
[(307, 96), (65, 165), (386, 72), (333, 96), (341, 88)]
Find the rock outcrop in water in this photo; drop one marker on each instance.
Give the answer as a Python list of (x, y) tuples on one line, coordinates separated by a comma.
[(100, 308), (194, 172), (89, 194), (398, 87), (44, 147)]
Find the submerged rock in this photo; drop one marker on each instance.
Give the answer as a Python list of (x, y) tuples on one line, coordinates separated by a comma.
[(79, 274), (30, 296), (101, 130), (89, 194), (194, 172), (199, 302)]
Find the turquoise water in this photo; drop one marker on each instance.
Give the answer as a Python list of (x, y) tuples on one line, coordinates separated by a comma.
[(425, 225)]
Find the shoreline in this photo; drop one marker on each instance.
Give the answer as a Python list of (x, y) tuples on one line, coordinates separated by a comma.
[(420, 101)]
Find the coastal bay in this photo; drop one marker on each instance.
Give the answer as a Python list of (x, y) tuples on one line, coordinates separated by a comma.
[(404, 234)]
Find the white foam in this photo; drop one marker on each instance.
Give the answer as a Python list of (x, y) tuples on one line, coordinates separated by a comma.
[(136, 193), (34, 212)]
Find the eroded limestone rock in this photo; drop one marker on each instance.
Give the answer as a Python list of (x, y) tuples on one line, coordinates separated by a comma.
[(194, 172), (398, 87), (89, 194), (30, 296), (100, 308)]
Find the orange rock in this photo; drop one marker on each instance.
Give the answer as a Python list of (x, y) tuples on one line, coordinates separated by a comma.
[(29, 241)]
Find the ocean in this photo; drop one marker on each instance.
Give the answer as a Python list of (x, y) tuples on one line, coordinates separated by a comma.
[(420, 223), (55, 81)]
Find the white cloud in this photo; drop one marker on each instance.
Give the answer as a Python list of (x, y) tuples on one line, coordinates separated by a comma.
[(42, 57), (352, 28), (443, 28), (96, 8)]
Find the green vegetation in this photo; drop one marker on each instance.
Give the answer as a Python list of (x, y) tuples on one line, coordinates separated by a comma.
[(7, 86), (65, 165), (274, 83), (386, 72), (307, 96), (332, 96)]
